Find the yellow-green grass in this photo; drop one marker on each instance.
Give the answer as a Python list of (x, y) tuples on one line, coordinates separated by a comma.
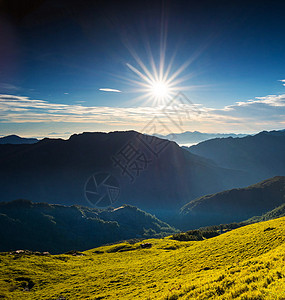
[(246, 263)]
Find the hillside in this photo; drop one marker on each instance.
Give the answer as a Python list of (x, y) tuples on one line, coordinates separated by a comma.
[(57, 228), (157, 175), (235, 205), (246, 263), (261, 156)]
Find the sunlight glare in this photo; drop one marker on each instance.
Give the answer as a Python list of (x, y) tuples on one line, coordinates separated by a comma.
[(160, 89), (157, 80)]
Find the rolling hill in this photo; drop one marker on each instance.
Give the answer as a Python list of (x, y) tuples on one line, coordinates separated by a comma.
[(246, 263), (235, 205), (57, 228), (151, 173)]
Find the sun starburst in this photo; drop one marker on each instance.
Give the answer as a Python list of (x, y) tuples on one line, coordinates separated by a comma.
[(159, 83)]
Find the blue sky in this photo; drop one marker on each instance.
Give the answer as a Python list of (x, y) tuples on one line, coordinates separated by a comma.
[(57, 56)]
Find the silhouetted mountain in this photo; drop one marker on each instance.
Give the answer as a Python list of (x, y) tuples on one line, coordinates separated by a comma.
[(194, 137), (14, 139), (57, 228), (151, 173), (235, 205), (261, 156)]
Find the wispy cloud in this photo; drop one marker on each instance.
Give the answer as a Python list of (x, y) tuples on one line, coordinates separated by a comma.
[(8, 86), (283, 81), (17, 109), (260, 113), (110, 90)]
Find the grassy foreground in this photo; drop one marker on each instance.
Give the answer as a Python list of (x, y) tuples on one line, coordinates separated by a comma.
[(246, 263)]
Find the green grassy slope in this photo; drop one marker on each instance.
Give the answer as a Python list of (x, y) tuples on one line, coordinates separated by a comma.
[(246, 263)]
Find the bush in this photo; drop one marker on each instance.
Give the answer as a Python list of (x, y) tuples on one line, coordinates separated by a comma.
[(195, 235), (186, 236), (210, 234)]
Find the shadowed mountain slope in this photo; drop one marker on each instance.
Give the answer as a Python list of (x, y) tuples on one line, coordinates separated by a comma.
[(57, 228), (261, 156), (237, 204), (151, 173)]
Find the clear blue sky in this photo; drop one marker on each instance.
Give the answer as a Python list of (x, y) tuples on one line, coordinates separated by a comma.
[(55, 56)]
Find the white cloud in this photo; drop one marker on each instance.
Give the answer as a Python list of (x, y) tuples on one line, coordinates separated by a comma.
[(260, 113), (110, 90), (283, 81), (16, 109)]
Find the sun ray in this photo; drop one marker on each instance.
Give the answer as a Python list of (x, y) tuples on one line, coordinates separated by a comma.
[(163, 83), (170, 65), (142, 76), (141, 64), (151, 59), (158, 79)]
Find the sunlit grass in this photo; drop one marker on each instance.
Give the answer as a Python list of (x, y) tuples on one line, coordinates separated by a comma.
[(246, 263)]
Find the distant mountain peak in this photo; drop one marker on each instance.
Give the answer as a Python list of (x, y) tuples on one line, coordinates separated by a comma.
[(194, 137), (15, 139)]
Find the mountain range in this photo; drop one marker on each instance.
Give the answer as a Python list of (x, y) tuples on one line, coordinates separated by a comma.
[(58, 228), (153, 174), (261, 156), (194, 137)]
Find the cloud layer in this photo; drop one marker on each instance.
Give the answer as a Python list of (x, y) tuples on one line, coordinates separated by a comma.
[(249, 116)]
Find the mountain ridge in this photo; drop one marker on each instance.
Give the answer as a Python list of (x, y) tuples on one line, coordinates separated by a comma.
[(193, 137), (261, 155), (245, 202), (56, 171), (15, 139)]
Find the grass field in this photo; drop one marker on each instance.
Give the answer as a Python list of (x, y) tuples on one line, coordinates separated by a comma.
[(246, 263)]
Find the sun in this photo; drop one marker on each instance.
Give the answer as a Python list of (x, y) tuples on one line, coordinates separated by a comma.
[(157, 79), (156, 82), (160, 89)]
